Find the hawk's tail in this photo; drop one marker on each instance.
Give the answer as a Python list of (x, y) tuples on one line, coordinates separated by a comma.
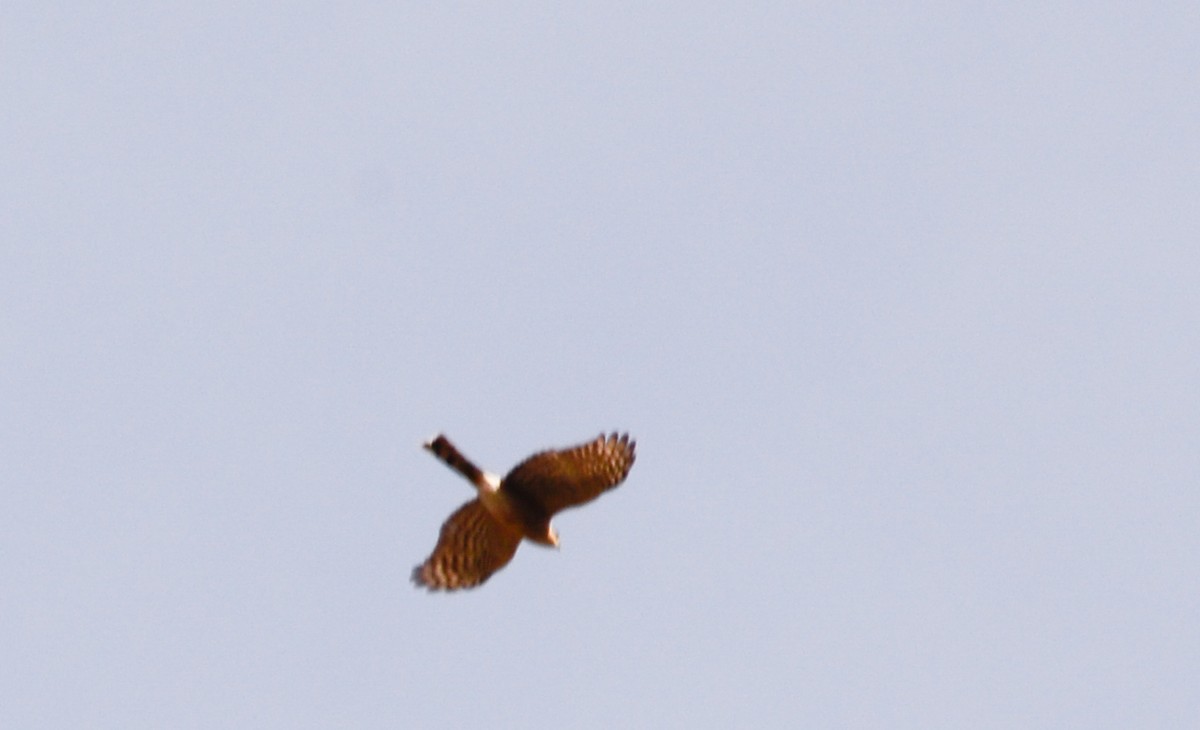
[(451, 457)]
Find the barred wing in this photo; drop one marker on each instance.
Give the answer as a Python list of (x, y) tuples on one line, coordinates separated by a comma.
[(555, 480), (472, 545)]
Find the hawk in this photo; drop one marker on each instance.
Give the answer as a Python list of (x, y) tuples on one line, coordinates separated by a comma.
[(483, 534)]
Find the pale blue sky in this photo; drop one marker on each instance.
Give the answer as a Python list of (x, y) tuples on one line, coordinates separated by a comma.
[(902, 304)]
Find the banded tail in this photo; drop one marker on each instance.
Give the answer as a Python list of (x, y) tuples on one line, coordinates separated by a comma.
[(451, 457)]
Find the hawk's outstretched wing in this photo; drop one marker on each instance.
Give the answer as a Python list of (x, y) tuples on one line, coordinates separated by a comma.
[(471, 546), (555, 480)]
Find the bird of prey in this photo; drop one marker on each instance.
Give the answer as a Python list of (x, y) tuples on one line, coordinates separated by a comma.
[(483, 534)]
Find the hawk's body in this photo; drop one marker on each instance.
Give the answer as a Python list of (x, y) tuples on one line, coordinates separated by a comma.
[(483, 534)]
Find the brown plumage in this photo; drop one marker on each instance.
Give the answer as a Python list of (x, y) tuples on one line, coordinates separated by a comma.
[(483, 534)]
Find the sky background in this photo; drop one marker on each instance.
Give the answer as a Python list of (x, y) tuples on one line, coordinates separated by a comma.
[(901, 302)]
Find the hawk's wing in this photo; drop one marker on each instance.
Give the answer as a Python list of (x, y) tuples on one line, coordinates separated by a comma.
[(471, 546), (554, 480)]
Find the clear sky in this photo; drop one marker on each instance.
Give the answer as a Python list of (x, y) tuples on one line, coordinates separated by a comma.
[(901, 302)]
